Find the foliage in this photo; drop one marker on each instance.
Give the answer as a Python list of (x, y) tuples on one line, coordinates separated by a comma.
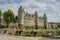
[(8, 16), (18, 33), (58, 32), (26, 33), (40, 32), (0, 13), (27, 28), (15, 19), (0, 18), (58, 24)]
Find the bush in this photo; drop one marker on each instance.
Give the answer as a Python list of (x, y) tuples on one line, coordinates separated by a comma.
[(26, 33), (42, 33), (18, 32), (32, 33), (58, 32)]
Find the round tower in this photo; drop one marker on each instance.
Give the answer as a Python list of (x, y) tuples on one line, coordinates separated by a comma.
[(36, 20), (20, 18), (45, 21)]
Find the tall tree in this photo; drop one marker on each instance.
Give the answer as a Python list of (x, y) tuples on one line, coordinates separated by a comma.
[(0, 13), (8, 16), (0, 16), (15, 19), (58, 25)]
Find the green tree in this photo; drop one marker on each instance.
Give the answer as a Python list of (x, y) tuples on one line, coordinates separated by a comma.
[(8, 16), (15, 19), (0, 16), (58, 25), (0, 13)]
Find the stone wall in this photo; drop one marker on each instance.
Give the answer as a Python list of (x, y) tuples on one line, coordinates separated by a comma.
[(30, 21), (41, 23)]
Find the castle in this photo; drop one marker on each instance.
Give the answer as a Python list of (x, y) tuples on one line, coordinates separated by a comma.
[(33, 21)]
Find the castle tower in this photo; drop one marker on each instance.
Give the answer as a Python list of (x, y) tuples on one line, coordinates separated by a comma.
[(45, 21), (36, 20), (20, 18)]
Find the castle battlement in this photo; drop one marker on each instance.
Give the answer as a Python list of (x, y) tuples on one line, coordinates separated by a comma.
[(32, 15), (29, 15)]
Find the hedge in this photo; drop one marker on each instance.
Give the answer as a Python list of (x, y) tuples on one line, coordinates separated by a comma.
[(41, 32)]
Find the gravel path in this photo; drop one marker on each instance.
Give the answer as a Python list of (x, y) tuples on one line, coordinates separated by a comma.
[(8, 37)]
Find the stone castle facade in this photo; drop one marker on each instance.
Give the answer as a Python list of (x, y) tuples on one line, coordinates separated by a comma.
[(26, 20), (31, 21)]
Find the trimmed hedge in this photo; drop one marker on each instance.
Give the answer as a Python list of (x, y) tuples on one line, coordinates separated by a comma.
[(58, 32), (41, 32), (26, 33)]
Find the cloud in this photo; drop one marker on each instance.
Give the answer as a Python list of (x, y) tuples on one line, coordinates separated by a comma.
[(48, 1), (2, 2), (50, 7), (14, 7)]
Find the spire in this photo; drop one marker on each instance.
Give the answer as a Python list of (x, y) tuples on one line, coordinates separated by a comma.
[(45, 21), (21, 8), (36, 13), (44, 15)]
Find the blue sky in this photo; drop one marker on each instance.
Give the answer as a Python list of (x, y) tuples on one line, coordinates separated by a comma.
[(50, 7)]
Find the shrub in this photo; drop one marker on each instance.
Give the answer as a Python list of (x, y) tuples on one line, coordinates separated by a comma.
[(18, 32), (26, 33), (58, 32), (32, 32), (41, 32)]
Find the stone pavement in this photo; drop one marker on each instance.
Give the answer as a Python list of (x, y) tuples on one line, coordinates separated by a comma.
[(11, 37)]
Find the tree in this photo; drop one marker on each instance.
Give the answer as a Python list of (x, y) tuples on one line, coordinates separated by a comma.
[(0, 13), (15, 19), (58, 25), (8, 16), (0, 16)]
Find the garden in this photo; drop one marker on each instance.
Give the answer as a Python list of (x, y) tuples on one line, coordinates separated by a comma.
[(39, 33)]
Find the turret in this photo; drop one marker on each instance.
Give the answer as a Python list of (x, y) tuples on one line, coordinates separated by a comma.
[(36, 20), (45, 21), (21, 17), (21, 9)]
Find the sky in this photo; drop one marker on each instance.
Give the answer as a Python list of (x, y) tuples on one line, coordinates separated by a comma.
[(49, 7)]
